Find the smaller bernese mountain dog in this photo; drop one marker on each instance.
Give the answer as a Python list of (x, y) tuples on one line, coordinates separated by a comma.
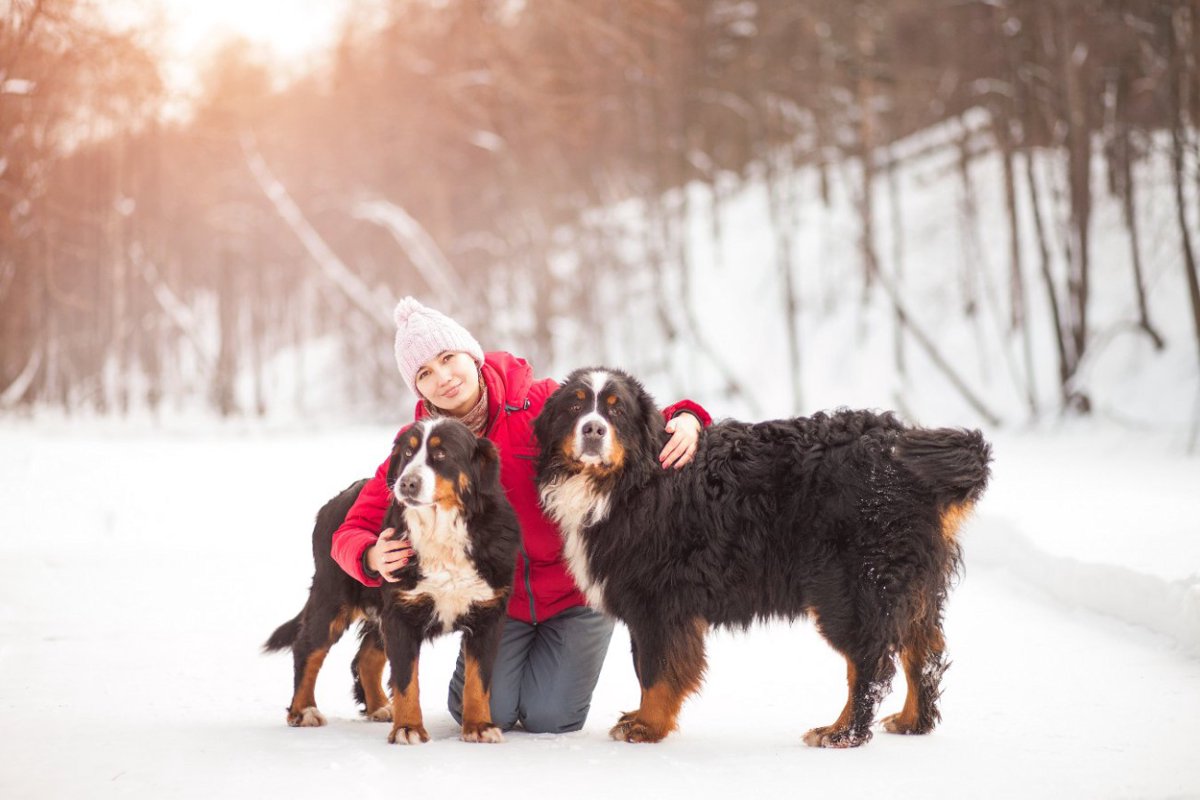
[(849, 518), (448, 500)]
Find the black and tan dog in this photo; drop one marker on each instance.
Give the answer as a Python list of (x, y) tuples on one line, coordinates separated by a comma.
[(447, 499), (849, 518)]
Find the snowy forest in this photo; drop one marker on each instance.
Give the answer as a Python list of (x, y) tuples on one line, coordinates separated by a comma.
[(550, 172)]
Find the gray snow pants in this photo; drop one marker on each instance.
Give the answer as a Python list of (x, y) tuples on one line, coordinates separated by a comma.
[(545, 674)]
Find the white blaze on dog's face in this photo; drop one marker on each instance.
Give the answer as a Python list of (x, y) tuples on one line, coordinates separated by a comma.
[(594, 443), (415, 481)]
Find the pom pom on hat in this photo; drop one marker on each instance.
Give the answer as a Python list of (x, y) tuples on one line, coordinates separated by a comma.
[(422, 333)]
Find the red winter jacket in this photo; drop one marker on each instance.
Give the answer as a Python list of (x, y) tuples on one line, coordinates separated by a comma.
[(542, 585)]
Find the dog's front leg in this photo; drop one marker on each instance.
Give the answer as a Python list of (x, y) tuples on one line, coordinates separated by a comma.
[(669, 661), (403, 645), (480, 645)]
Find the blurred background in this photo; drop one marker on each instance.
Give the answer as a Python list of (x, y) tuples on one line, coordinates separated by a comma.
[(976, 212)]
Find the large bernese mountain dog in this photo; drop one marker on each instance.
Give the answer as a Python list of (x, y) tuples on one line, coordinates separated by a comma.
[(448, 500), (849, 518)]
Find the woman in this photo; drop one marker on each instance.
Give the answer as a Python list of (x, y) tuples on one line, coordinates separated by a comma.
[(553, 645)]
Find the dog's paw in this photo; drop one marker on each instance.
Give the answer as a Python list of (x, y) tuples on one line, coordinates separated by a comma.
[(836, 738), (631, 729), (408, 734), (381, 714), (896, 724), (306, 718), (481, 732)]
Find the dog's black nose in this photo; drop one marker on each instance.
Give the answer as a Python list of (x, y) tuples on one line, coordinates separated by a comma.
[(410, 485), (594, 429)]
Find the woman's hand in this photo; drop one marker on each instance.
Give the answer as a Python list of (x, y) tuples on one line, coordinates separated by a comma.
[(388, 554), (685, 434)]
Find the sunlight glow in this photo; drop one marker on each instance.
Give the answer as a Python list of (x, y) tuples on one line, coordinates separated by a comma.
[(287, 34), (290, 29)]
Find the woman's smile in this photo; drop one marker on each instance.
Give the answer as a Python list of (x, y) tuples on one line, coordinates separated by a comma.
[(450, 381)]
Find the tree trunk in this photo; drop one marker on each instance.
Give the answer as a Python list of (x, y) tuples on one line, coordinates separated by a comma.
[(1072, 55), (864, 43), (1121, 157), (1019, 324), (223, 389), (1180, 119), (1060, 337)]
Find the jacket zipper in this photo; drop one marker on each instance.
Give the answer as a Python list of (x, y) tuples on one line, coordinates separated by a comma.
[(508, 409), (528, 584)]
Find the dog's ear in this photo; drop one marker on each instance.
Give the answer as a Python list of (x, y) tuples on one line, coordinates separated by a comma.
[(653, 425), (487, 463), (484, 477), (394, 461), (543, 425)]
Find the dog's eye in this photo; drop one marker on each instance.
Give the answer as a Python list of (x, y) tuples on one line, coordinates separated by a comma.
[(408, 451), (614, 411), (439, 455), (575, 408)]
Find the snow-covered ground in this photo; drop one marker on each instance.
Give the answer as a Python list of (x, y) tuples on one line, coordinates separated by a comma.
[(141, 567)]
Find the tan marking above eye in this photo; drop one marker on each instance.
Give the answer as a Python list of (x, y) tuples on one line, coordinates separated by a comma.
[(435, 441), (414, 442), (580, 394), (612, 400)]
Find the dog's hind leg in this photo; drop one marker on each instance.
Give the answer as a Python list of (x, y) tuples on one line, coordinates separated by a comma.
[(868, 679), (367, 669), (403, 652), (319, 630), (924, 663), (670, 665)]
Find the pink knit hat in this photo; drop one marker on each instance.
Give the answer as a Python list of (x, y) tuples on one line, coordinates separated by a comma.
[(422, 333)]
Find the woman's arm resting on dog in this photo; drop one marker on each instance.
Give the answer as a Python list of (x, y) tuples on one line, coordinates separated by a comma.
[(685, 420), (681, 447)]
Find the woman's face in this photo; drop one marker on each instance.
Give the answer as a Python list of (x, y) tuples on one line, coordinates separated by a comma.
[(450, 381)]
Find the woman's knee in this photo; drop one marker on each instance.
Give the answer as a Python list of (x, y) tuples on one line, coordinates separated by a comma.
[(547, 718)]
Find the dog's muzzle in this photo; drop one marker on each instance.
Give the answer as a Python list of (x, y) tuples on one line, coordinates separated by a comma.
[(408, 489), (593, 436)]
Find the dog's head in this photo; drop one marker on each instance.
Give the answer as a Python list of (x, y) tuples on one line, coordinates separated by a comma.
[(440, 462), (599, 421)]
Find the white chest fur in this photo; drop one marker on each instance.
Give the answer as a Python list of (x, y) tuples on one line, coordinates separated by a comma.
[(574, 503), (448, 577)]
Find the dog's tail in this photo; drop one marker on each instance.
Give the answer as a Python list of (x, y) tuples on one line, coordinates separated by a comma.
[(284, 636), (950, 462)]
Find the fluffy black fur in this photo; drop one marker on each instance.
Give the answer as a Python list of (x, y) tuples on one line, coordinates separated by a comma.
[(847, 517), (398, 616)]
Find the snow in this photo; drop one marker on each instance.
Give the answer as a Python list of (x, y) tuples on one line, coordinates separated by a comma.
[(144, 565)]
